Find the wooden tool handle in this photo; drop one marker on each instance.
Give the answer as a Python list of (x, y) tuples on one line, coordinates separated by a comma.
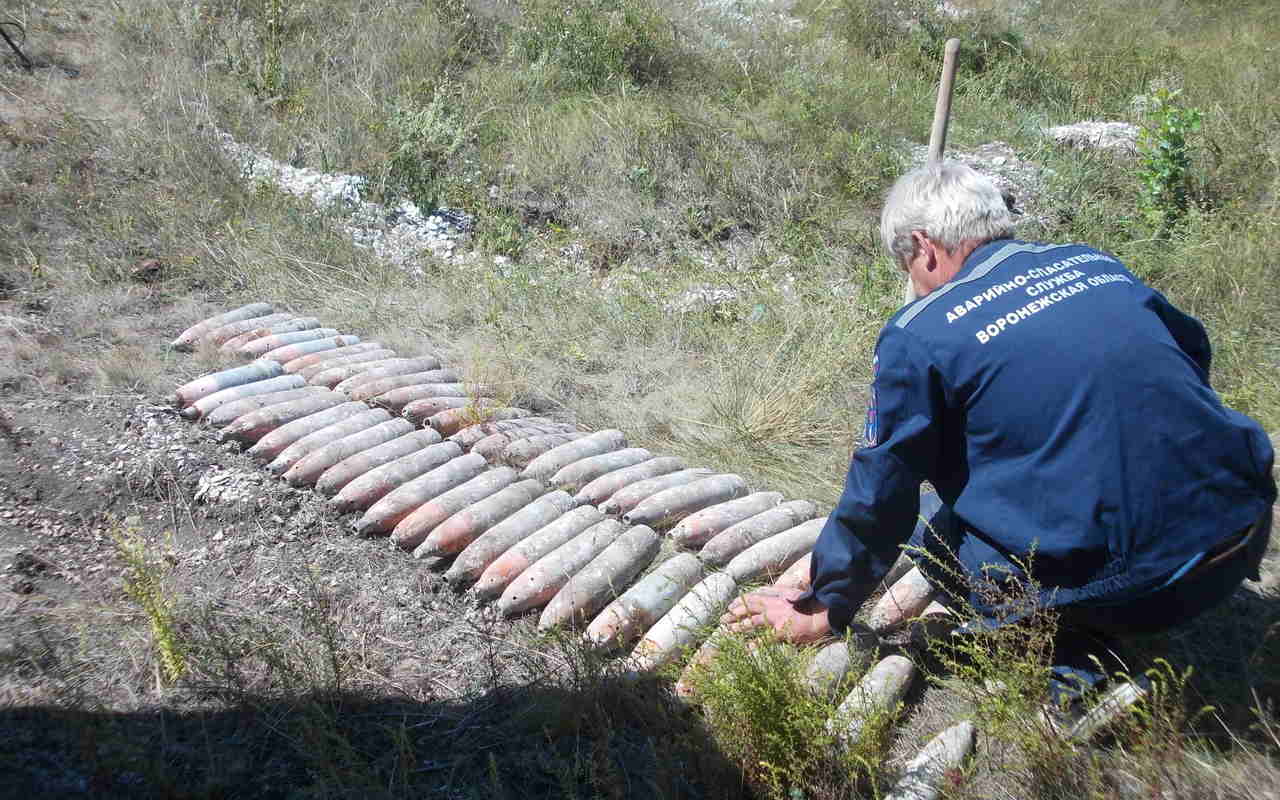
[(942, 109)]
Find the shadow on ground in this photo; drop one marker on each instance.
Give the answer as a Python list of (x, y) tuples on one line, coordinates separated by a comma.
[(613, 741)]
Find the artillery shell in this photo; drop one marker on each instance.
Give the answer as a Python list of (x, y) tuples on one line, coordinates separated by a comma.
[(465, 525), (772, 556), (434, 397), (187, 339), (494, 445), (336, 375), (229, 412), (603, 578), (539, 583), (367, 465), (253, 426), (191, 391), (532, 425), (524, 451), (664, 508), (904, 601), (350, 361), (688, 621), (376, 386), (311, 359), (640, 607), (583, 471), (490, 447), (205, 405), (797, 575), (627, 498), (559, 457), (259, 347), (833, 663), (605, 486), (400, 500), (391, 368), (879, 692), (508, 566), (273, 441), (230, 346), (314, 464), (697, 529), (503, 535), (225, 333), (452, 420), (926, 775), (738, 537), (310, 442), (299, 349)]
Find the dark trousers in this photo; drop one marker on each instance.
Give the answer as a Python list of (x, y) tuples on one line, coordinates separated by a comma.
[(1086, 632)]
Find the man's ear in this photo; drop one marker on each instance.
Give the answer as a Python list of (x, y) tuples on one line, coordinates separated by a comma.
[(924, 243)]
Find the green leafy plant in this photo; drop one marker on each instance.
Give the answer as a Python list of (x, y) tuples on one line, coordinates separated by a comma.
[(144, 585), (1164, 163), (424, 140)]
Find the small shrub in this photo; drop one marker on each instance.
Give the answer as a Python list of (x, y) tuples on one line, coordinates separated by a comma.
[(144, 585), (1164, 165), (424, 141)]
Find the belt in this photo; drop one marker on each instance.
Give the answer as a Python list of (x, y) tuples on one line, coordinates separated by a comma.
[(1222, 552)]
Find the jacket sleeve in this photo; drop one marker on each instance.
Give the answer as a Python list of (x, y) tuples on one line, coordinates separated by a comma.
[(1185, 329), (881, 499)]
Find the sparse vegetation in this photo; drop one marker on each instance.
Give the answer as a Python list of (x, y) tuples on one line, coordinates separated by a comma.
[(616, 153)]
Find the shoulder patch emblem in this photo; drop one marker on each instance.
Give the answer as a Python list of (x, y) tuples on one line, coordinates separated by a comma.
[(871, 430)]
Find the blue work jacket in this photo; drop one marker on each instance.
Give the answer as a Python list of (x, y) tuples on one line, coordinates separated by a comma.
[(1062, 409)]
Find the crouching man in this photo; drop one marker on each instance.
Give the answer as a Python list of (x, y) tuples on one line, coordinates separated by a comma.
[(1063, 413)]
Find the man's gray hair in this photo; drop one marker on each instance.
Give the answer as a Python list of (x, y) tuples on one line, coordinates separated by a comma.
[(950, 202)]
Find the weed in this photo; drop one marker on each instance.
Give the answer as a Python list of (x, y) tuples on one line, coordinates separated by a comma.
[(1164, 166), (145, 585)]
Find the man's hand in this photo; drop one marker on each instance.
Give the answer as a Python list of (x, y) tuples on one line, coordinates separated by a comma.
[(776, 608)]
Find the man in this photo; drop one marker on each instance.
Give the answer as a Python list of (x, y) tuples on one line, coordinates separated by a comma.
[(1063, 413)]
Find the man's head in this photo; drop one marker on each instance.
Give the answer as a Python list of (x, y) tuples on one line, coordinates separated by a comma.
[(935, 215)]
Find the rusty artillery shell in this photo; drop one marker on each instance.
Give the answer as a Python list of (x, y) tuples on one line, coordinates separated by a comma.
[(493, 445), (187, 339), (929, 773), (452, 420), (666, 507), (319, 437), (535, 587), (605, 486), (233, 344), (314, 464), (628, 497), (311, 359), (639, 608), (259, 347), (391, 368), (225, 333), (797, 575), (459, 529), (362, 479), (253, 426), (467, 437), (738, 537), (934, 623), (372, 387), (524, 451), (503, 535), (274, 441), (833, 663), (557, 458), (602, 579), (299, 349), (229, 412), (508, 566), (583, 471), (697, 529), (879, 692), (691, 618), (686, 685), (433, 397), (772, 556), (904, 601), (335, 375), (206, 405), (191, 391), (350, 360), (400, 501)]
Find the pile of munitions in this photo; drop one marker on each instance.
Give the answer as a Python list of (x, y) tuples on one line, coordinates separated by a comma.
[(537, 513)]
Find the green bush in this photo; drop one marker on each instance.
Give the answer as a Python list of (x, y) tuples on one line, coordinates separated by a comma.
[(1164, 164)]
